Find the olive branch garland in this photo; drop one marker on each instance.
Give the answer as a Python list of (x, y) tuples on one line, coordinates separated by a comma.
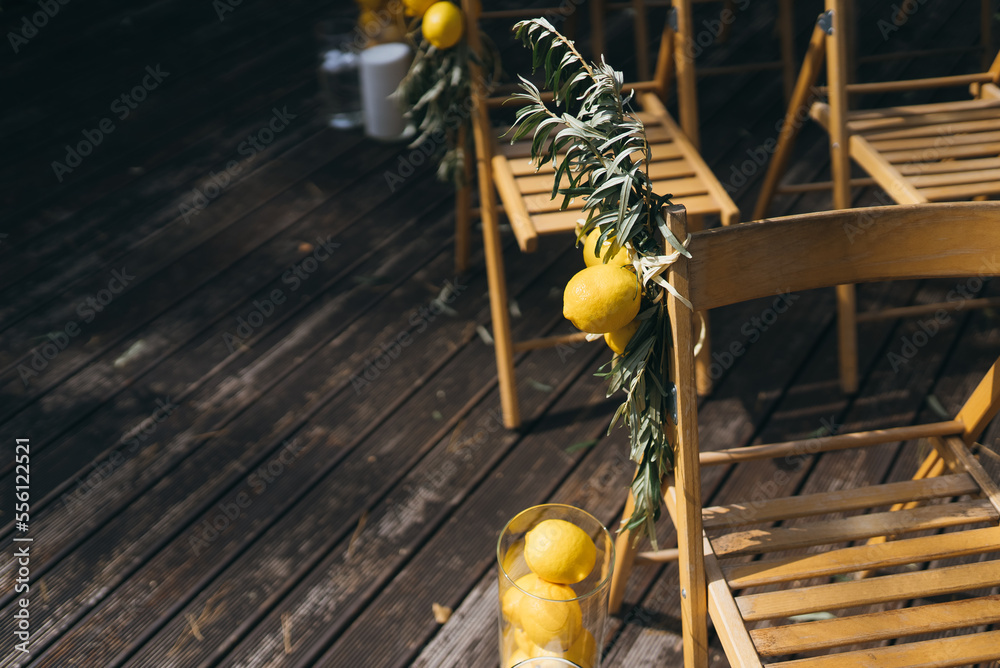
[(436, 94), (598, 147)]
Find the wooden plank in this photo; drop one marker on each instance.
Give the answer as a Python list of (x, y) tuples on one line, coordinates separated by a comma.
[(144, 478), (350, 433), (901, 112), (882, 169), (957, 651), (469, 536), (934, 142), (485, 153), (873, 627), (689, 149), (773, 510), (863, 557), (829, 443), (960, 192), (889, 254), (726, 616), (915, 84), (948, 166), (515, 206), (676, 168), (936, 129), (680, 188), (660, 152), (687, 471), (883, 589), (943, 152), (982, 405), (916, 121), (195, 254), (955, 178), (989, 486), (924, 309), (924, 518), (658, 136)]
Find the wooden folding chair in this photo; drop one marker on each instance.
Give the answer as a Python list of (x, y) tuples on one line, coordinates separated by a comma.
[(938, 152), (676, 168), (785, 29), (752, 565)]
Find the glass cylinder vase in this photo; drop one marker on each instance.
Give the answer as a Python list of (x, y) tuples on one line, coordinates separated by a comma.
[(556, 622)]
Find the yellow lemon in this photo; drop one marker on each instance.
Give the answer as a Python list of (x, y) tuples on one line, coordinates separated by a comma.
[(559, 551), (583, 650), (516, 658), (549, 617), (512, 597), (443, 24), (618, 339), (602, 298), (590, 257), (417, 7), (510, 560)]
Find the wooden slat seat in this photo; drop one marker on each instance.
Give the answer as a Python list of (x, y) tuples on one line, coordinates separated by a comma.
[(676, 167)]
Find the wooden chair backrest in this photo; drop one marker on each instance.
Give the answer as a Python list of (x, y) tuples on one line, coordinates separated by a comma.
[(786, 255), (752, 260)]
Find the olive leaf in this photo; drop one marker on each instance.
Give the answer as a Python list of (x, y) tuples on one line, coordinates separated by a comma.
[(599, 150)]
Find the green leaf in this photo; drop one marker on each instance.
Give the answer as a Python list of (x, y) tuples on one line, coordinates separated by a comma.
[(582, 445)]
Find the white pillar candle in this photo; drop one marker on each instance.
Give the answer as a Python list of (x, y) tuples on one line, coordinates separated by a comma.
[(382, 68)]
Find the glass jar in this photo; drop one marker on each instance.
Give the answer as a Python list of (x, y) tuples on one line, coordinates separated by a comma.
[(563, 630)]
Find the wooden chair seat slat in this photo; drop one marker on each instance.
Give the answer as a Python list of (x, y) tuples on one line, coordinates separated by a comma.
[(917, 111), (875, 627), (948, 166), (956, 178), (662, 170), (664, 151), (935, 141), (656, 134), (894, 122), (859, 527), (864, 557), (940, 653), (773, 510), (555, 222), (966, 191), (870, 591), (943, 152), (934, 129), (681, 188)]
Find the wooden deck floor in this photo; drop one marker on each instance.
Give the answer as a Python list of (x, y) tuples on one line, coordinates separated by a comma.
[(264, 428)]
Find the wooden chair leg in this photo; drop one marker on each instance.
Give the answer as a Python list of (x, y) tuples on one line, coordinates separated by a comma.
[(624, 558), (597, 18), (798, 112), (503, 341), (986, 26), (847, 337), (463, 207), (786, 36), (641, 39), (703, 360), (728, 9)]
